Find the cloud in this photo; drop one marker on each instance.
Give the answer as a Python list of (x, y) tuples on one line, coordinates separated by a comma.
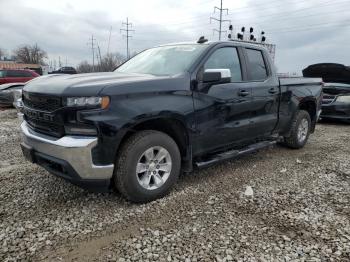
[(305, 32)]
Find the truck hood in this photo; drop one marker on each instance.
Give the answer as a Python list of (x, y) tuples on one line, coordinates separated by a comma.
[(7, 86), (85, 84)]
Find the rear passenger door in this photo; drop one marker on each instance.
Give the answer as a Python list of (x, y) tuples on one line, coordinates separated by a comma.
[(265, 92)]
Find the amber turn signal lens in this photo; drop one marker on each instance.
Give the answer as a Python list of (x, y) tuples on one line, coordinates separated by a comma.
[(105, 102)]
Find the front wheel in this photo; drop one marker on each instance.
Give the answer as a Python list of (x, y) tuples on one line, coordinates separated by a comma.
[(148, 165), (300, 130)]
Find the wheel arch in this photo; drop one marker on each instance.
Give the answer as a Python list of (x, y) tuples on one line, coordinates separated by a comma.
[(173, 126), (309, 105)]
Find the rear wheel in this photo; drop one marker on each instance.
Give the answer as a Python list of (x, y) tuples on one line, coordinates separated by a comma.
[(300, 130), (147, 167)]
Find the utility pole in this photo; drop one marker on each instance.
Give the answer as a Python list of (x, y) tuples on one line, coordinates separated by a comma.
[(127, 30), (220, 20), (92, 44), (109, 40), (99, 55)]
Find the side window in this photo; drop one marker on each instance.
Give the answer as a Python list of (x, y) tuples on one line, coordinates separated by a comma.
[(256, 65), (2, 73), (12, 73), (26, 74), (18, 73), (226, 58)]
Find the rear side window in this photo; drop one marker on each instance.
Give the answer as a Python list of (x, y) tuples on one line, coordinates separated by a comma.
[(256, 65), (15, 73), (226, 58), (2, 73), (27, 74)]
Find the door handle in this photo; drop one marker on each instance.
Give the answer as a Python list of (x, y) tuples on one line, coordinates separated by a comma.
[(243, 93), (273, 90)]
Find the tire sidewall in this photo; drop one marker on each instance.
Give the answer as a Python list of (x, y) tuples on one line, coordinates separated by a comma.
[(131, 182), (301, 116)]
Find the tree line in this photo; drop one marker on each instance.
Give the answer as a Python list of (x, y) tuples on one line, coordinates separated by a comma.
[(107, 63), (33, 54), (27, 54)]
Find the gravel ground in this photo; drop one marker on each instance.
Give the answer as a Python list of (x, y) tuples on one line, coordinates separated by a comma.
[(275, 205)]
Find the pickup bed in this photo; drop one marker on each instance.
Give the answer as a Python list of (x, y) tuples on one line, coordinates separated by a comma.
[(169, 109)]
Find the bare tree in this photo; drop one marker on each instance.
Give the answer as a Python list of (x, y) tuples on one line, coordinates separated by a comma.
[(2, 53), (84, 67), (110, 62), (30, 54)]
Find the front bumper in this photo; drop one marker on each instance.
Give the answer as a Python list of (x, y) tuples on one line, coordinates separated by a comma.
[(6, 99), (336, 110), (68, 157)]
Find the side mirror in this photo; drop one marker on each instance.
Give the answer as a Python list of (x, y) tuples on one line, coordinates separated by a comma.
[(217, 76)]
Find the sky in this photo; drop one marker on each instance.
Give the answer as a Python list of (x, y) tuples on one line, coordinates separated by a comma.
[(304, 31)]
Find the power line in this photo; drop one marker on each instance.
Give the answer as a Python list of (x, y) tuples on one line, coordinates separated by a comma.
[(288, 13), (311, 27), (92, 44), (127, 36), (220, 20), (263, 7), (237, 10)]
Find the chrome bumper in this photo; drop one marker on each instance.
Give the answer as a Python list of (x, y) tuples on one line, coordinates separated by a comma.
[(318, 115), (75, 150)]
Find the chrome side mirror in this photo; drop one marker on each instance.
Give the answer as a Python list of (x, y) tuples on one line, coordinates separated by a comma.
[(217, 76)]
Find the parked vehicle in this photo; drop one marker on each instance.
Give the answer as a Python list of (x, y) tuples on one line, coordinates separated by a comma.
[(336, 102), (9, 93), (329, 72), (65, 70), (168, 109), (336, 98), (16, 76)]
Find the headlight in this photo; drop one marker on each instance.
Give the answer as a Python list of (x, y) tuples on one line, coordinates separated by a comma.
[(343, 99), (92, 101)]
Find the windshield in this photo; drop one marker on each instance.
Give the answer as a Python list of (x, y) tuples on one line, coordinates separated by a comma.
[(165, 60)]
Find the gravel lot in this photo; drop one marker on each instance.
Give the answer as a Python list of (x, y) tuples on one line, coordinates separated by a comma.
[(300, 209)]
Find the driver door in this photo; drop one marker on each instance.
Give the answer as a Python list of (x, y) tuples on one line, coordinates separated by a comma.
[(222, 110)]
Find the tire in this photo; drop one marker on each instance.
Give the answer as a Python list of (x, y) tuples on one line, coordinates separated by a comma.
[(134, 173), (297, 140)]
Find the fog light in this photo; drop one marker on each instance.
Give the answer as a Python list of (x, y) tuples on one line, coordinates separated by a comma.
[(88, 131)]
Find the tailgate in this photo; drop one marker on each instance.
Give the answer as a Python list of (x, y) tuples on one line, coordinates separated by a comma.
[(295, 81)]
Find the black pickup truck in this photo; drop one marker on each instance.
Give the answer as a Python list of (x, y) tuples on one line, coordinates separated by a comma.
[(169, 109)]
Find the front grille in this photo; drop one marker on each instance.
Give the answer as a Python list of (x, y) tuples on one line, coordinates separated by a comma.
[(42, 103), (328, 99), (52, 129)]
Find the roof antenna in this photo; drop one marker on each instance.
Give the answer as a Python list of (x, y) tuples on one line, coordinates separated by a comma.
[(202, 40)]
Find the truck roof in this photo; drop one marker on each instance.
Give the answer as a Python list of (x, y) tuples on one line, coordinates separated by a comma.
[(209, 43)]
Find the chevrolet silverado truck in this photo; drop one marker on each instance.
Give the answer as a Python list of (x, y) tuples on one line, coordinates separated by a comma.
[(167, 110)]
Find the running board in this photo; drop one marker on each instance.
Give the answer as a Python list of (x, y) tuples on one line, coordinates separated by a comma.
[(235, 153)]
